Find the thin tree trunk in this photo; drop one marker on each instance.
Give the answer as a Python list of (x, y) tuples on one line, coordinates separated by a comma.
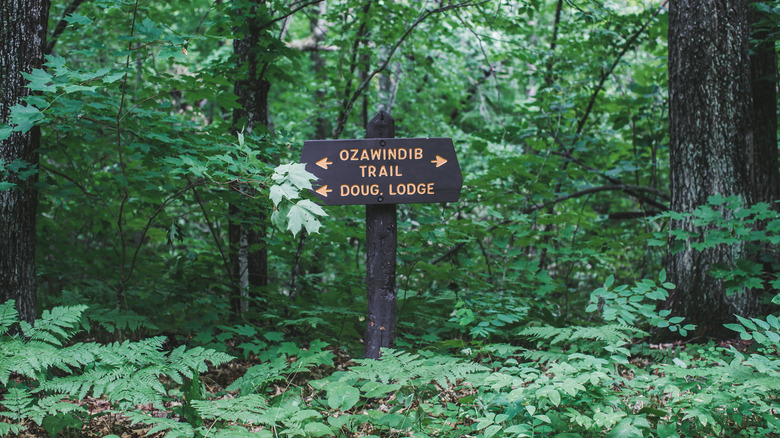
[(248, 249), (710, 130), (23, 27)]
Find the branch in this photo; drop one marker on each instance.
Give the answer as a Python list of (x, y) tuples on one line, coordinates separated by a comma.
[(213, 232), (150, 221), (567, 154), (268, 24), (343, 119), (83, 189), (626, 188), (605, 74), (62, 24), (629, 189)]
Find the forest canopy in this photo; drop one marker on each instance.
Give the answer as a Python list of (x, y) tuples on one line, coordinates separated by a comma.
[(610, 267)]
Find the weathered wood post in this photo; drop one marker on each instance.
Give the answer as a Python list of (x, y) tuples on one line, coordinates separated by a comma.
[(381, 245)]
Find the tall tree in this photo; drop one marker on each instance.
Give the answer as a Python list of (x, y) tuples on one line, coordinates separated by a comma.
[(248, 251), (764, 171), (711, 136), (23, 27)]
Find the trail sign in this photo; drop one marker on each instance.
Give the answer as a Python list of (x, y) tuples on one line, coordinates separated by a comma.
[(383, 170)]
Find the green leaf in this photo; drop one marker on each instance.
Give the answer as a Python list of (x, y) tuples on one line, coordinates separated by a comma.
[(317, 430), (286, 190), (747, 323), (113, 77), (24, 117), (736, 327), (40, 80), (303, 214), (491, 430), (625, 429), (343, 397), (5, 132), (77, 19)]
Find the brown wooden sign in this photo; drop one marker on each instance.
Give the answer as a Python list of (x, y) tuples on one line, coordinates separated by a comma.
[(383, 170)]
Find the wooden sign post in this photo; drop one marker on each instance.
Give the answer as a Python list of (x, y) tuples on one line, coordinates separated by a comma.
[(381, 247), (381, 171)]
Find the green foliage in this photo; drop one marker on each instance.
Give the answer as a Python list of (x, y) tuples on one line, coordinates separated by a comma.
[(727, 221), (637, 304), (524, 309), (42, 376)]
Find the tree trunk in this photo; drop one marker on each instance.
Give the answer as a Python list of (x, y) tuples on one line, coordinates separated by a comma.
[(710, 109), (764, 171), (23, 27), (247, 229)]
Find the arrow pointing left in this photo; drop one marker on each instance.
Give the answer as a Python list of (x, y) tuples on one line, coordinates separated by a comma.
[(324, 163), (324, 190)]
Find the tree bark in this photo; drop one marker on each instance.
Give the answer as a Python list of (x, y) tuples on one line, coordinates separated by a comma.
[(764, 171), (247, 229), (23, 27), (710, 111)]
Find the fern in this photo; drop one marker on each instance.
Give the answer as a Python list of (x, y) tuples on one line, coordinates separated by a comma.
[(410, 369), (279, 368), (128, 373), (54, 326), (20, 404), (114, 320), (175, 428), (43, 349), (259, 376), (6, 428), (8, 316), (605, 338), (544, 356), (248, 409)]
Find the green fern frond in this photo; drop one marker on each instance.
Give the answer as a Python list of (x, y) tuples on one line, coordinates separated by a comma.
[(404, 368), (543, 356), (611, 334), (546, 332), (19, 404), (7, 429), (175, 428), (257, 376), (54, 326), (247, 409), (8, 316)]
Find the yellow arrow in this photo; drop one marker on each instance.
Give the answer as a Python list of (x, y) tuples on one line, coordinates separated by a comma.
[(439, 161), (324, 190), (324, 163)]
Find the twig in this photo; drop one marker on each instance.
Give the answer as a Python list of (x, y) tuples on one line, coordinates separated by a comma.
[(62, 24), (343, 119), (126, 193), (213, 231), (632, 190)]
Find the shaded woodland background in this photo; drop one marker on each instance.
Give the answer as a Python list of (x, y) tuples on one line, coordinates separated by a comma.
[(610, 267)]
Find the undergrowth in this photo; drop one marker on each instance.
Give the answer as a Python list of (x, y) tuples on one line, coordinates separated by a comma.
[(587, 381), (487, 370)]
